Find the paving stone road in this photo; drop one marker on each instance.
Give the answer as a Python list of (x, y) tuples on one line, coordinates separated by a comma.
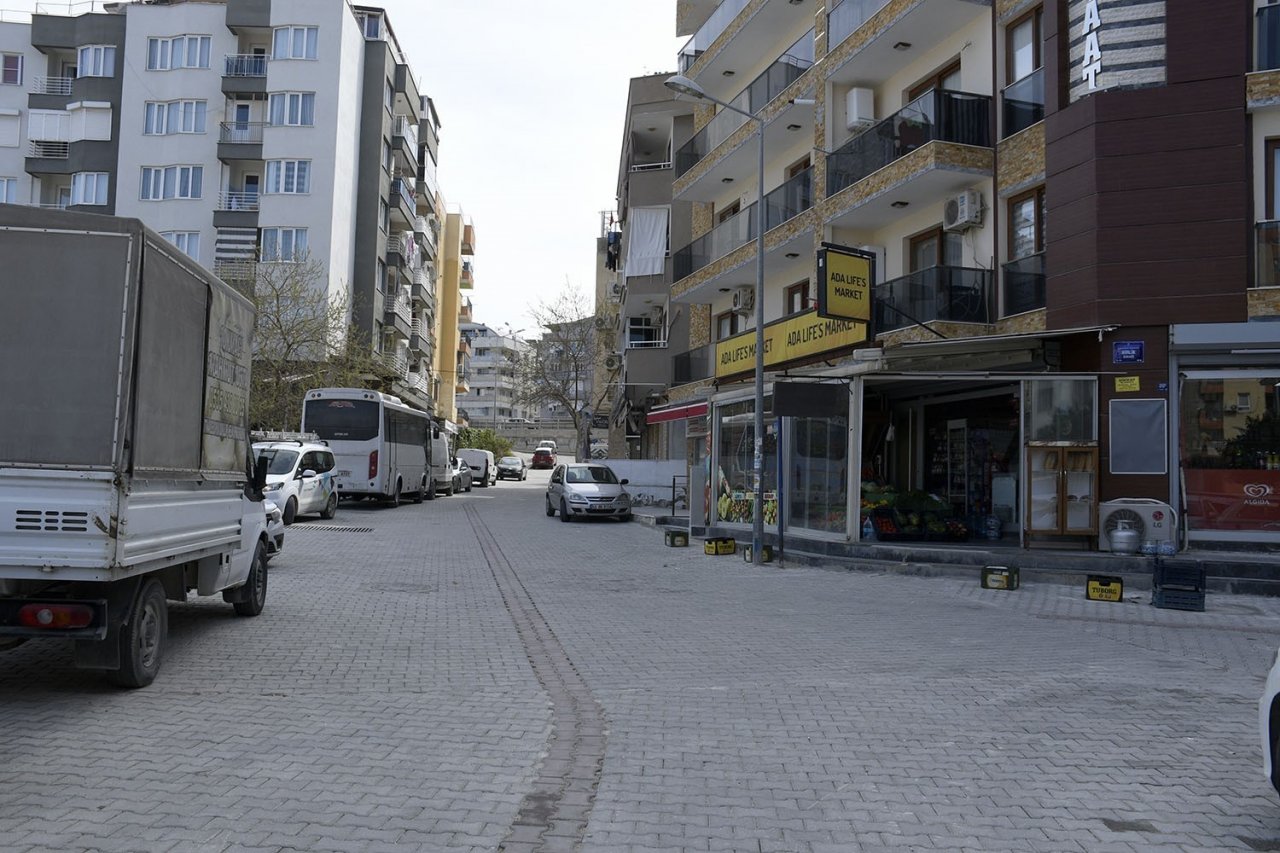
[(472, 674)]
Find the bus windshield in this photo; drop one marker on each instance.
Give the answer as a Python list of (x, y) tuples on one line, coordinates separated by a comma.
[(342, 420)]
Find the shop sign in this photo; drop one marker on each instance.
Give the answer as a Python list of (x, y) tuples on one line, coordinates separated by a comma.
[(788, 339), (1127, 352), (1128, 383), (844, 283), (1232, 498), (1091, 65)]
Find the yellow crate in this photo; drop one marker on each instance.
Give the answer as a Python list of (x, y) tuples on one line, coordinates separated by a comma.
[(719, 546), (1104, 588), (1000, 577), (766, 554)]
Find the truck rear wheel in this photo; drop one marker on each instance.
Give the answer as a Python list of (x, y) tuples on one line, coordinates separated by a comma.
[(142, 638), (255, 586)]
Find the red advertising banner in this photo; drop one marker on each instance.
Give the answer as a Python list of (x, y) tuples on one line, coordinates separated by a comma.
[(1232, 499)]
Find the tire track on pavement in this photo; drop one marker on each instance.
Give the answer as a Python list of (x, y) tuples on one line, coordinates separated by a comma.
[(553, 816)]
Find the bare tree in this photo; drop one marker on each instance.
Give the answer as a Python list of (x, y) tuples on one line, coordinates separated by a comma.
[(301, 340)]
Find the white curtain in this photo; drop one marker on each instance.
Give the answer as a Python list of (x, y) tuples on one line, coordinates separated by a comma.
[(646, 241)]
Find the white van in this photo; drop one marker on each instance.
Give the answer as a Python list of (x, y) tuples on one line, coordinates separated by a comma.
[(439, 465), (300, 477), (481, 463)]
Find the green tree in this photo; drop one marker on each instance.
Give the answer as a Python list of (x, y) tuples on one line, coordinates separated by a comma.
[(484, 439)]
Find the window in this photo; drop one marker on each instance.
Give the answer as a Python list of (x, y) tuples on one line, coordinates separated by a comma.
[(96, 60), (165, 117), (89, 188), (936, 248), (386, 155), (726, 325), (288, 176), (382, 276), (292, 108), (11, 69), (799, 166), (8, 190), (388, 95), (729, 211), (798, 297), (370, 25), (1022, 47), (166, 182), (164, 54), (1026, 224), (186, 241), (294, 43), (947, 79), (287, 245), (384, 215), (1244, 402)]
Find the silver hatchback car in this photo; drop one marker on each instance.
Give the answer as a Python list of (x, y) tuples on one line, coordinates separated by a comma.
[(587, 490)]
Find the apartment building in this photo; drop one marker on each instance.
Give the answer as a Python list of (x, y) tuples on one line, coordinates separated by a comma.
[(453, 349), (220, 124), (1064, 210), (493, 380)]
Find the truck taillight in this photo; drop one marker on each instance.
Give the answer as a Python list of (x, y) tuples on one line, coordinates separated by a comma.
[(55, 616), (373, 465)]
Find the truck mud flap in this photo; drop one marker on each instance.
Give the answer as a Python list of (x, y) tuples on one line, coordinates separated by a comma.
[(104, 652)]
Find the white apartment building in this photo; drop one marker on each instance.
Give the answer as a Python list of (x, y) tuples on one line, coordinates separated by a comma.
[(493, 377), (20, 64)]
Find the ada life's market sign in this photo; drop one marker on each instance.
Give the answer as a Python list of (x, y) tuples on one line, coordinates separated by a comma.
[(788, 339), (844, 283)]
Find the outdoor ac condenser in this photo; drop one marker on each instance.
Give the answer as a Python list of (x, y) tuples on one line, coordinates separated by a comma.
[(1154, 520)]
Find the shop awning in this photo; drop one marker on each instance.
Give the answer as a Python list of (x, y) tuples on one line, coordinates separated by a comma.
[(676, 413), (979, 342)]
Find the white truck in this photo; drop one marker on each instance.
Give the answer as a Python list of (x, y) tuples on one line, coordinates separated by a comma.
[(125, 473)]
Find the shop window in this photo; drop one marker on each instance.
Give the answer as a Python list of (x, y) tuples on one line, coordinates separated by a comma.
[(1026, 224), (726, 325), (818, 474), (798, 297), (735, 487), (1062, 410)]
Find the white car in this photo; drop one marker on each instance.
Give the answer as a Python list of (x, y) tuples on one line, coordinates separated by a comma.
[(275, 527), (1269, 723), (587, 490), (300, 477)]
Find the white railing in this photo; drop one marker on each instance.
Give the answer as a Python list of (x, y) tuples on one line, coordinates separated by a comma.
[(406, 128), (651, 167), (51, 85), (49, 150), (396, 363), (646, 344), (245, 65), (228, 200), (399, 305)]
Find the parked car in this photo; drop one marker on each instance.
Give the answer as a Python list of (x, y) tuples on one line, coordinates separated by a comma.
[(462, 476), (543, 457), (275, 527), (483, 469), (300, 477), (587, 490), (548, 443), (512, 467), (1269, 724)]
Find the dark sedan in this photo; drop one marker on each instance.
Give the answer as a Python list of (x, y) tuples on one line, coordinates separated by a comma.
[(511, 467)]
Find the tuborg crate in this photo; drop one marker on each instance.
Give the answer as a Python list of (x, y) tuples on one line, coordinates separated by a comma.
[(1178, 599), (675, 538), (719, 546), (1000, 577)]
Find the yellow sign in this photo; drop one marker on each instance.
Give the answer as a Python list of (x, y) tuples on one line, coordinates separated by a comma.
[(844, 285), (787, 339), (1128, 383), (1102, 588)]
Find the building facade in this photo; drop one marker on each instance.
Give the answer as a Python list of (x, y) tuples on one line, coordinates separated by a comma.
[(1063, 210), (493, 378)]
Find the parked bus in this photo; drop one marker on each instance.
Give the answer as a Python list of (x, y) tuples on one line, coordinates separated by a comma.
[(381, 445)]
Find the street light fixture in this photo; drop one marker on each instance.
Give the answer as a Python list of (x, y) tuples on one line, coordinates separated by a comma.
[(682, 85)]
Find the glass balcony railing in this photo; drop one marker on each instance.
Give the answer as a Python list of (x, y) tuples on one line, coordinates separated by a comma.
[(1022, 103), (844, 20), (1268, 245), (245, 65), (950, 294), (936, 115), (404, 188), (772, 81), (709, 32), (786, 201), (692, 366), (1268, 30), (1024, 284)]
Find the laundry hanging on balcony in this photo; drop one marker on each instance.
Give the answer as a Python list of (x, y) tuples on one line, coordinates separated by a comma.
[(646, 241)]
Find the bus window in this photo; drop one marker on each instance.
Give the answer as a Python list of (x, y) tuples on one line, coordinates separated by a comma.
[(342, 420)]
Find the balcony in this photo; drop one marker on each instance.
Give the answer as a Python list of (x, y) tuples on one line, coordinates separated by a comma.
[(425, 228), (244, 74), (428, 186), (419, 334), (646, 368), (715, 25), (404, 139), (48, 150), (59, 86), (403, 207), (783, 203), (240, 140), (466, 276), (945, 294), (1022, 103), (468, 239), (883, 40), (1267, 240), (398, 313), (788, 68), (397, 364), (235, 209), (236, 271), (422, 290), (1268, 35), (1023, 285), (692, 366), (846, 17)]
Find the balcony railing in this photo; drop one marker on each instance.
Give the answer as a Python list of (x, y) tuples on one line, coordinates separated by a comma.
[(949, 294), (1268, 30), (1024, 284), (1268, 243), (241, 132), (692, 366), (844, 20), (404, 187), (236, 269), (49, 150), (409, 131), (399, 305), (936, 115), (794, 61), (1022, 103), (709, 32), (786, 201), (51, 86), (642, 343), (245, 65), (396, 363), (228, 200)]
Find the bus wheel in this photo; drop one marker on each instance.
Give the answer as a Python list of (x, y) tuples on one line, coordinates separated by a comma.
[(419, 495), (394, 500)]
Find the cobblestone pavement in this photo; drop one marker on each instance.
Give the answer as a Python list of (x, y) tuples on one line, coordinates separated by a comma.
[(409, 689)]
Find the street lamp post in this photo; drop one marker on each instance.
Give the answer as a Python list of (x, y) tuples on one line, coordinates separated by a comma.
[(684, 86)]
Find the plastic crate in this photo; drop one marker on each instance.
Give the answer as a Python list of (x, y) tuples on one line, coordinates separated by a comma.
[(675, 538), (1001, 577), (719, 546), (1178, 574), (1178, 599)]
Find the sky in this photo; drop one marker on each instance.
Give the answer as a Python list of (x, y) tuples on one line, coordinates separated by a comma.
[(531, 96)]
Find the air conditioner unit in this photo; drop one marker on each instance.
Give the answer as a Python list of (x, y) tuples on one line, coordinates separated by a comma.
[(962, 211), (602, 321), (1154, 520), (615, 290), (744, 299), (612, 362), (859, 108)]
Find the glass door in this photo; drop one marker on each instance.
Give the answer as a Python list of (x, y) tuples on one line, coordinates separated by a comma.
[(1080, 476), (1043, 465)]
